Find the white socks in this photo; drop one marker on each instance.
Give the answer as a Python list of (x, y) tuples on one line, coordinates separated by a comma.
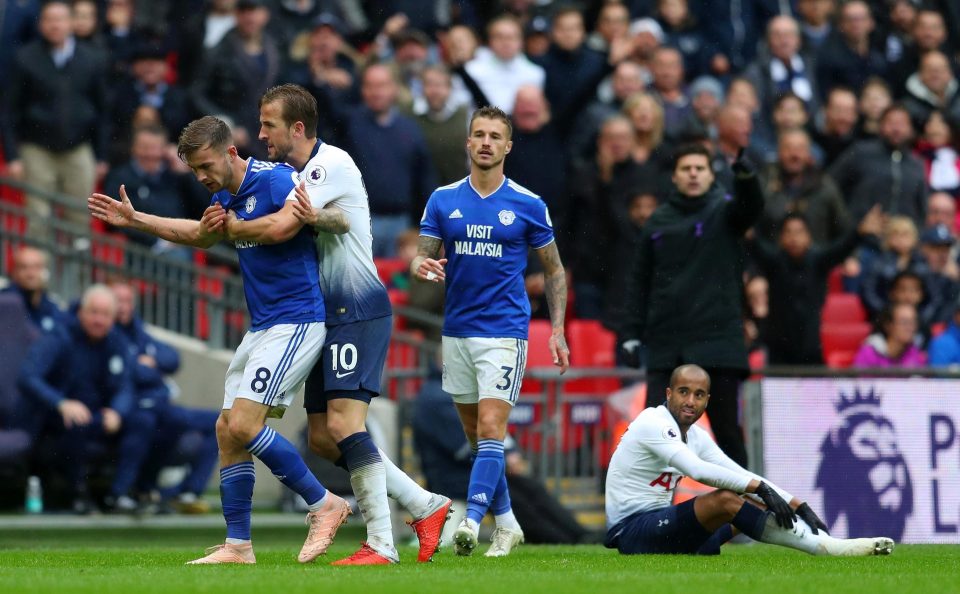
[(369, 484), (411, 496)]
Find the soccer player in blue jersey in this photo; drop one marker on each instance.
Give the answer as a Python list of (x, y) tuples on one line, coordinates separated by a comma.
[(486, 223), (333, 202), (287, 330)]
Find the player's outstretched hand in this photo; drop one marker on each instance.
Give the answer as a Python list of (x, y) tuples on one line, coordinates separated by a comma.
[(432, 270), (806, 513), (780, 508), (118, 213), (559, 350)]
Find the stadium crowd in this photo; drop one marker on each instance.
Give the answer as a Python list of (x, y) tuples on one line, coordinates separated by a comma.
[(848, 110)]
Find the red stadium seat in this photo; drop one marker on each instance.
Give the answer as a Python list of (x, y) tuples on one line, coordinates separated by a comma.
[(842, 337), (842, 308), (538, 352), (591, 345), (387, 267), (840, 359), (835, 281)]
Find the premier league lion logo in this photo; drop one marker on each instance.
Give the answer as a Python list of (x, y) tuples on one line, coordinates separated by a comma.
[(862, 473)]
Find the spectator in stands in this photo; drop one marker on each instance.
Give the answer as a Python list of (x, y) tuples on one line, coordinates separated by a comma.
[(734, 127), (501, 68), (731, 28), (884, 171), (154, 187), (794, 184), (668, 89), (945, 349), (933, 87), (328, 72), (537, 140), (596, 207), (613, 22), (899, 253), (943, 278), (236, 72), (646, 115), (895, 342), (816, 22), (848, 58), (627, 79), (50, 147), (756, 292), (148, 84), (874, 100), (572, 70), (155, 424), (86, 26), (202, 31), (444, 125), (938, 148), (411, 53), (837, 129), (942, 210), (19, 26), (290, 20), (741, 93), (696, 234), (929, 34), (646, 34), (536, 37), (706, 97), (789, 113), (458, 46), (393, 157), (15, 443), (77, 385), (783, 69), (914, 288), (797, 271), (29, 278), (682, 31)]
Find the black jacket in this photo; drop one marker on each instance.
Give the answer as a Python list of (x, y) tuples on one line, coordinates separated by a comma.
[(685, 292), (798, 289), (58, 109)]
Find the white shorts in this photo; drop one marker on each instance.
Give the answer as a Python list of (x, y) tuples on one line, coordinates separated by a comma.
[(271, 365), (475, 368)]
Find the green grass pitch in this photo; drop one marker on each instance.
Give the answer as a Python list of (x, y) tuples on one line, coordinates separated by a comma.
[(128, 561)]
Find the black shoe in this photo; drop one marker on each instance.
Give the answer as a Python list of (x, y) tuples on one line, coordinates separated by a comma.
[(83, 506), (122, 505)]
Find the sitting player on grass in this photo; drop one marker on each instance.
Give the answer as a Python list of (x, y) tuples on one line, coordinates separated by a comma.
[(661, 446)]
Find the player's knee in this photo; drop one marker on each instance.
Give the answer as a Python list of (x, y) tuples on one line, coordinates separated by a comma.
[(729, 501), (241, 431), (339, 427)]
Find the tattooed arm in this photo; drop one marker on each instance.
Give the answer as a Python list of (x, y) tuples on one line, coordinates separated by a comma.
[(425, 266), (555, 279)]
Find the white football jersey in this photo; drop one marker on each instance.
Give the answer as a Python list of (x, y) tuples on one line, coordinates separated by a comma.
[(641, 478), (348, 277)]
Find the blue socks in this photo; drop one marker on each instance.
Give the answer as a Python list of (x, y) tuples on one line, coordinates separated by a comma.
[(286, 464), (486, 474), (236, 495), (501, 496)]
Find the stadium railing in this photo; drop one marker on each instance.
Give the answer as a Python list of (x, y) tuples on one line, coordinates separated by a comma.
[(203, 298)]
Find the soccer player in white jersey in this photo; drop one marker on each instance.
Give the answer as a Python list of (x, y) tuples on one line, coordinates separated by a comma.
[(486, 223), (661, 446), (333, 201), (287, 329)]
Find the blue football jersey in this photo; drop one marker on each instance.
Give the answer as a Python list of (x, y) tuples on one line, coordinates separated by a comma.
[(486, 242), (280, 281)]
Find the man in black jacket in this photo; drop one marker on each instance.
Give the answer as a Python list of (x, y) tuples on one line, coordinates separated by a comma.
[(55, 122), (685, 292)]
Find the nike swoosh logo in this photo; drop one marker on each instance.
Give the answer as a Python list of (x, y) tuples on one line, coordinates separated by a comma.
[(339, 375)]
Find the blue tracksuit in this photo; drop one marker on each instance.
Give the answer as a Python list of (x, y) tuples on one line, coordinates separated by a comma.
[(66, 364), (155, 425)]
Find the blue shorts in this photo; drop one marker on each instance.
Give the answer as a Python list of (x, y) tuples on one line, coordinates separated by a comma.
[(672, 530), (351, 364)]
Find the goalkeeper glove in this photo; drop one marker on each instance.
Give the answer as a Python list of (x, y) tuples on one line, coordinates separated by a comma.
[(780, 508)]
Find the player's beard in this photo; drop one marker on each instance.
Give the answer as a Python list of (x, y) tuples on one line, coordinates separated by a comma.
[(281, 152)]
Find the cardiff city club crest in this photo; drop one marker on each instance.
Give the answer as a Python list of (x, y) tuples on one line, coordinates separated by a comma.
[(316, 175), (507, 217), (250, 204), (863, 474)]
